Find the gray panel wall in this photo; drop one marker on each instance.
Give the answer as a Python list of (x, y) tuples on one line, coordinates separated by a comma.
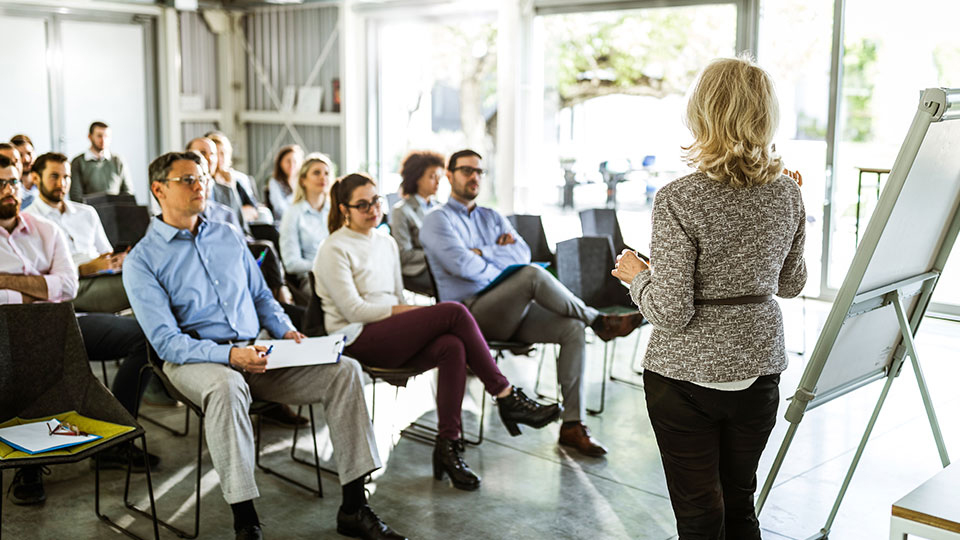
[(198, 54), (287, 41), (191, 130), (317, 138)]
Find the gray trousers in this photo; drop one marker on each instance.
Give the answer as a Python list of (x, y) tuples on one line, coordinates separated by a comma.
[(225, 395), (101, 294), (533, 307)]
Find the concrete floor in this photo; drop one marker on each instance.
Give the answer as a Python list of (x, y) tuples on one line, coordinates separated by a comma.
[(531, 487)]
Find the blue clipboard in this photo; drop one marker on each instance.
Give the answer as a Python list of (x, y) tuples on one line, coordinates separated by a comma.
[(507, 272)]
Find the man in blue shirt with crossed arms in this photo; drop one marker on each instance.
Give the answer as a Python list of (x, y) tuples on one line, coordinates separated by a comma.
[(200, 298), (468, 246)]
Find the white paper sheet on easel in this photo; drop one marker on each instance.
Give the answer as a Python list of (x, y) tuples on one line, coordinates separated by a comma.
[(35, 437), (309, 352)]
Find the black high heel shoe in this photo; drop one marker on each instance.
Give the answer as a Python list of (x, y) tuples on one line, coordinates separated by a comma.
[(517, 408), (447, 458)]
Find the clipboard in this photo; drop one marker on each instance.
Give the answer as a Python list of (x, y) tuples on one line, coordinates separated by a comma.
[(313, 351), (507, 272)]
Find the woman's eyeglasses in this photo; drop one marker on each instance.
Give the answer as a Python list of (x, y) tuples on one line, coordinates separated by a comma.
[(365, 206)]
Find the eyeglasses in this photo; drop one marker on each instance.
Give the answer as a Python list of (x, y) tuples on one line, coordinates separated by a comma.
[(468, 171), (13, 182), (365, 206), (189, 180)]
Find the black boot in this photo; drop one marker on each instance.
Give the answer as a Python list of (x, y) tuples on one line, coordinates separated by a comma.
[(517, 408), (447, 458)]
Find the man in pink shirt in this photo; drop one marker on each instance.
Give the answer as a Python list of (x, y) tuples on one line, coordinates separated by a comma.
[(36, 266)]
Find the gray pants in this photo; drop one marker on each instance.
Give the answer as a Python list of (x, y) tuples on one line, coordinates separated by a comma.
[(225, 395), (101, 294), (533, 307)]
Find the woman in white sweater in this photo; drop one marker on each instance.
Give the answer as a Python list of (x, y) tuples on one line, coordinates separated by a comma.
[(358, 281)]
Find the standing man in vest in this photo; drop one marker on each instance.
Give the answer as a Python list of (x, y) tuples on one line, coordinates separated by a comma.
[(97, 170)]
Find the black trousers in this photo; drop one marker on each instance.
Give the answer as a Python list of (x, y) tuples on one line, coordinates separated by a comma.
[(710, 444), (109, 337)]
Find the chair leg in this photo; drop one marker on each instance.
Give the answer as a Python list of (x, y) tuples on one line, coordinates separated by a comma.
[(196, 518), (603, 379), (290, 480), (153, 504), (536, 387), (316, 452), (633, 367), (173, 431)]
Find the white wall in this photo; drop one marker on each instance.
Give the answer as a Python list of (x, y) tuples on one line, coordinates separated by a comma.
[(24, 91), (103, 79)]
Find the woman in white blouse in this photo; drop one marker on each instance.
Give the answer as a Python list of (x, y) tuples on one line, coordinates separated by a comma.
[(358, 281), (304, 224)]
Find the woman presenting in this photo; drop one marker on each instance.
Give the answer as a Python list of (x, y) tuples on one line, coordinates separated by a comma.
[(725, 240)]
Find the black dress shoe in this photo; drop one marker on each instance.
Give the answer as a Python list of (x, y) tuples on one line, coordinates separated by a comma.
[(118, 457), (365, 524), (448, 458), (27, 486), (517, 408), (250, 532)]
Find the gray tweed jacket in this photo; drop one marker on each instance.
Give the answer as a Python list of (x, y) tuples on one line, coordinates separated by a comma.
[(715, 241)]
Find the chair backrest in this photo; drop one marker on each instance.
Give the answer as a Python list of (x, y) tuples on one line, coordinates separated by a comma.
[(44, 368), (124, 223), (265, 231), (583, 266), (313, 324), (105, 199), (603, 222), (531, 229)]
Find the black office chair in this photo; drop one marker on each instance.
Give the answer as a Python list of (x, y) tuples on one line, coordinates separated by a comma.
[(44, 372), (257, 408), (531, 230), (603, 222), (583, 266), (124, 224)]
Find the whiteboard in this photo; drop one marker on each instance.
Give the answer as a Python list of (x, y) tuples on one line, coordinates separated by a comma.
[(908, 235)]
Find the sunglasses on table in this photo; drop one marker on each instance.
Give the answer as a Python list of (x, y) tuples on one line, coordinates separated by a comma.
[(13, 182), (365, 206)]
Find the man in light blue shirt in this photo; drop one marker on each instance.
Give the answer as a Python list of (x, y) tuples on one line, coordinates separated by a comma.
[(468, 246), (201, 300)]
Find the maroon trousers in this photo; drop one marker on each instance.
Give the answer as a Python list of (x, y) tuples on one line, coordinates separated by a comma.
[(444, 336)]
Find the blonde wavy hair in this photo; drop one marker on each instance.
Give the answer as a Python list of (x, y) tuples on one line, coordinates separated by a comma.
[(733, 114), (310, 160)]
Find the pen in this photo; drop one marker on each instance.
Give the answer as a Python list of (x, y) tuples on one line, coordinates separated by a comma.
[(260, 259), (269, 350)]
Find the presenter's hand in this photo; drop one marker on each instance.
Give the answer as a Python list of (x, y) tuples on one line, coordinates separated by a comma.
[(628, 266), (506, 239), (250, 359), (294, 335), (795, 175)]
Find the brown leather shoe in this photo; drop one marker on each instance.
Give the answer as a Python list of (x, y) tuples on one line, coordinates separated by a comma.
[(577, 435), (608, 327)]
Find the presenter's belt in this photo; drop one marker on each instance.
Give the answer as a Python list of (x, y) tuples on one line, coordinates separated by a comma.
[(732, 301)]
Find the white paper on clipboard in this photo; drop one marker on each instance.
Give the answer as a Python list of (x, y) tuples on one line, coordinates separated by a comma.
[(309, 352)]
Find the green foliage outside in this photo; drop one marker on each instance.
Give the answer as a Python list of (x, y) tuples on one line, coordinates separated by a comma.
[(859, 61)]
